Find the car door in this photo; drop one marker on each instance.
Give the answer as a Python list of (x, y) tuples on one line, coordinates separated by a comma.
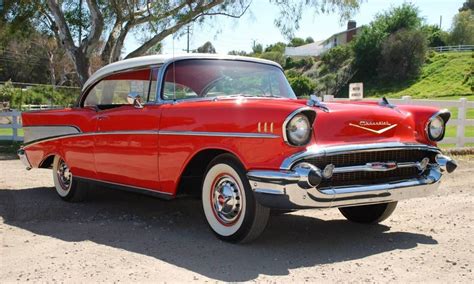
[(126, 139)]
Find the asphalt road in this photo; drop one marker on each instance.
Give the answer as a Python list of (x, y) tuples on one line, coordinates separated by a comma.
[(123, 237)]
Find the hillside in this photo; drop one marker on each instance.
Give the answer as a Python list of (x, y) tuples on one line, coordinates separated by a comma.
[(446, 75)]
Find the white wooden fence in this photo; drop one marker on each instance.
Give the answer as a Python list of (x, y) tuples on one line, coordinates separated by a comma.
[(461, 121), (14, 125), (453, 48)]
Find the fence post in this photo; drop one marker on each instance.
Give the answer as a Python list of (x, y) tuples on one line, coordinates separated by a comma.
[(15, 125), (461, 122), (406, 100), (328, 98)]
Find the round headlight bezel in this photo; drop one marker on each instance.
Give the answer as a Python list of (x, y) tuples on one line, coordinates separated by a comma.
[(440, 118), (306, 116)]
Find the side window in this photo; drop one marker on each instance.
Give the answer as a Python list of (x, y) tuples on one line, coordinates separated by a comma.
[(173, 91), (153, 78), (114, 89)]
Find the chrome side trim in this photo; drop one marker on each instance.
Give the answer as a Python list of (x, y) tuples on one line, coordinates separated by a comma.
[(316, 151), (290, 116), (156, 132), (33, 133), (219, 134), (24, 158)]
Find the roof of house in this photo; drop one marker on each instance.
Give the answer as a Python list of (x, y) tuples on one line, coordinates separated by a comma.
[(313, 49), (144, 61)]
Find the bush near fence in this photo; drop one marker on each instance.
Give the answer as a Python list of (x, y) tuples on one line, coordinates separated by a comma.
[(18, 95)]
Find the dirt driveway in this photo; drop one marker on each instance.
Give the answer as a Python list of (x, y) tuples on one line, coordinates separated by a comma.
[(123, 237)]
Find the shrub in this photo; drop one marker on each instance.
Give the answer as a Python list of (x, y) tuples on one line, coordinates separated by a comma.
[(402, 55), (302, 85)]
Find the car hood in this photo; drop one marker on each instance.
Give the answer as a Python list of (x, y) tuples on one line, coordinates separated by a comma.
[(354, 123)]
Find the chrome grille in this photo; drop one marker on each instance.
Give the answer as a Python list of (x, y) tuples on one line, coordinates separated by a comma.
[(368, 178)]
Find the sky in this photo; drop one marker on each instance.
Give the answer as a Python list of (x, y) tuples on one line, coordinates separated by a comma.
[(228, 34)]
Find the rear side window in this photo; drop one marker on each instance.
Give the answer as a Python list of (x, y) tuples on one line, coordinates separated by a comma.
[(114, 89)]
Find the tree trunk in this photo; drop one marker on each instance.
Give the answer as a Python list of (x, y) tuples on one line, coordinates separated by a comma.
[(81, 62)]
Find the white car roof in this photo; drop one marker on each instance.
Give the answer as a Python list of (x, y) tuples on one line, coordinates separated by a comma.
[(149, 60)]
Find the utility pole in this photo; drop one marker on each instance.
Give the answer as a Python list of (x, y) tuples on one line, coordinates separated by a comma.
[(80, 22), (440, 21), (187, 46)]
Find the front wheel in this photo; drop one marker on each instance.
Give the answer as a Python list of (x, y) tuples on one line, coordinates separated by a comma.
[(369, 214), (228, 202), (66, 185)]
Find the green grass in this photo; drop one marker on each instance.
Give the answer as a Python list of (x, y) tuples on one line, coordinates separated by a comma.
[(446, 76), (9, 131)]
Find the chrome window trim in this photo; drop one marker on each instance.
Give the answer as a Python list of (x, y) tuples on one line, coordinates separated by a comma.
[(441, 113), (293, 114), (317, 151), (97, 80)]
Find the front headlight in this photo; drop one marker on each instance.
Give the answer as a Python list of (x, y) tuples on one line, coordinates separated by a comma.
[(298, 130), (436, 125), (436, 129)]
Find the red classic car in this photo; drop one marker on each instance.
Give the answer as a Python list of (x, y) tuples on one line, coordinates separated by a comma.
[(231, 131)]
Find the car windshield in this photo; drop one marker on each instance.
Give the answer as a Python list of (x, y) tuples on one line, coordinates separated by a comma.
[(188, 79)]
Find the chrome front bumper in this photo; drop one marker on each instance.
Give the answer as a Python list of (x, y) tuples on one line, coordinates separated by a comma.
[(290, 189), (24, 159)]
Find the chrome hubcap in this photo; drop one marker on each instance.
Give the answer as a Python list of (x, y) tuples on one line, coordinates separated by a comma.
[(226, 199), (64, 175)]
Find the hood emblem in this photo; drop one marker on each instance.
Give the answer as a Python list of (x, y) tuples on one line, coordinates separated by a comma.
[(367, 124)]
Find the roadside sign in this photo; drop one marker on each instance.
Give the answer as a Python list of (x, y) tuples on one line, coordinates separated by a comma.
[(356, 91)]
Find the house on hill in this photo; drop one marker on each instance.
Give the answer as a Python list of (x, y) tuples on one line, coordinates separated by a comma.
[(317, 48)]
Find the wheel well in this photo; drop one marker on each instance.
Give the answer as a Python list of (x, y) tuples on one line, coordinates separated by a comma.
[(191, 179), (47, 163)]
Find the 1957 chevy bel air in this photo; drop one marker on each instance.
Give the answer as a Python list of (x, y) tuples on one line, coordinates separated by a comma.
[(231, 131)]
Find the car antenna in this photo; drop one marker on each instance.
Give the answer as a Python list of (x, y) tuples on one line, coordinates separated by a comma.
[(174, 75), (315, 102), (385, 103)]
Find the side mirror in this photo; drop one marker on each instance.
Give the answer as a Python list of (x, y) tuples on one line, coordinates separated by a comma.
[(135, 99)]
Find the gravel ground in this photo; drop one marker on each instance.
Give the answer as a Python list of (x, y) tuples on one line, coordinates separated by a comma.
[(123, 237)]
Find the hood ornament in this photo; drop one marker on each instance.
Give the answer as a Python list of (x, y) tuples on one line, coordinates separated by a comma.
[(315, 102), (365, 125), (385, 103)]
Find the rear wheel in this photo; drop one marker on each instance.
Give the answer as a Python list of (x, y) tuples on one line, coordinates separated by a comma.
[(369, 214), (230, 208), (67, 187)]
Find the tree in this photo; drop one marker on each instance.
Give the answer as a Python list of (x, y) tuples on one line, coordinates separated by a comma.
[(368, 44), (237, 52), (466, 6), (296, 41), (434, 35), (302, 85), (309, 40), (257, 48), (205, 48), (462, 31), (402, 55), (276, 47), (275, 56), (101, 27)]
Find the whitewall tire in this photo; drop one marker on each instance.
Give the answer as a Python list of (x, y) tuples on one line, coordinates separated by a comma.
[(66, 185), (230, 208)]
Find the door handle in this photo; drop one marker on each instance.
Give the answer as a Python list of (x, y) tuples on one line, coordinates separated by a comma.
[(102, 117)]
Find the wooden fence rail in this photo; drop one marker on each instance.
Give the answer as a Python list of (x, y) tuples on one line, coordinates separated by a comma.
[(14, 125)]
